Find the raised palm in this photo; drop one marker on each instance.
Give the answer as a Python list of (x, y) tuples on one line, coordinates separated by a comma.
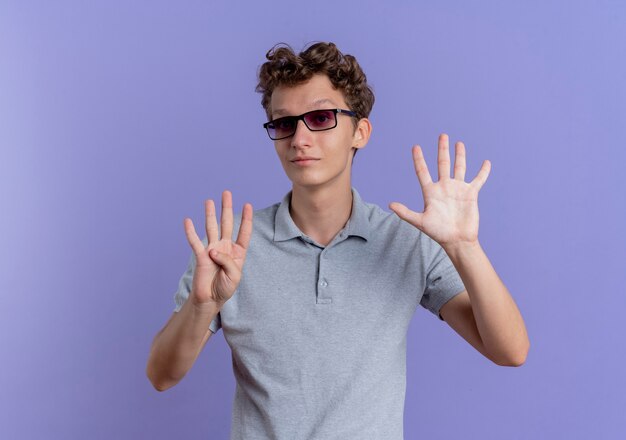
[(219, 264), (450, 205)]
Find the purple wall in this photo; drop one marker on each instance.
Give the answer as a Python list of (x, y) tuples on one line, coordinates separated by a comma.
[(110, 134)]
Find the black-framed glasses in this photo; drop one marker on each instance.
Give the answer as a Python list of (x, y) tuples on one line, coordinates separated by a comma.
[(316, 120)]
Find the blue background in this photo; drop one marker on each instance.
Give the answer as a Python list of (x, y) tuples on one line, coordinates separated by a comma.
[(118, 119)]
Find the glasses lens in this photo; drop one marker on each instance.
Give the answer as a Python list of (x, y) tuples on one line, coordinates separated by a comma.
[(320, 120), (282, 127)]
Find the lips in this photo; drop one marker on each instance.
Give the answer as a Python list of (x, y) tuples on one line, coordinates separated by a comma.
[(298, 159)]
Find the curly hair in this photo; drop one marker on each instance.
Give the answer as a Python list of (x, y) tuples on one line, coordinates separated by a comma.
[(285, 68)]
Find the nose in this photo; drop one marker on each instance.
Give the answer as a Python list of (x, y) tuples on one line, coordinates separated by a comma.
[(302, 135)]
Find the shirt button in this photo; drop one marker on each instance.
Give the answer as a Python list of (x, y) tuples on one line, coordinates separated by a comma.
[(323, 284)]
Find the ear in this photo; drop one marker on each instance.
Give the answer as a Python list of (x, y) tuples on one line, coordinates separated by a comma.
[(362, 133)]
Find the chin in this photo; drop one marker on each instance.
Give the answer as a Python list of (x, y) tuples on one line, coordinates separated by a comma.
[(304, 183)]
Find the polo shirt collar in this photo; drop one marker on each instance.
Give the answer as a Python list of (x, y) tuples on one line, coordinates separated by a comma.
[(286, 229)]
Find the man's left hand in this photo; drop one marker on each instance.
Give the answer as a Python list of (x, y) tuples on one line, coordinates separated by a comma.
[(450, 214)]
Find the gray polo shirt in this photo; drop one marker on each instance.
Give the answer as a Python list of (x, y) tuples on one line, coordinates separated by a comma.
[(318, 334)]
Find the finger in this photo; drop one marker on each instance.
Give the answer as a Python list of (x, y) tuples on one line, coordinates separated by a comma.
[(226, 262), (194, 241), (245, 228), (482, 175), (227, 215), (407, 215), (211, 222), (459, 162), (421, 169), (443, 157)]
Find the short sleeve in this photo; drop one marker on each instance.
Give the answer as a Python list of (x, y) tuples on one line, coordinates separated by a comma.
[(184, 288), (442, 282)]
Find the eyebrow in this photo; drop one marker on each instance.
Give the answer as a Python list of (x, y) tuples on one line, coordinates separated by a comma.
[(317, 102)]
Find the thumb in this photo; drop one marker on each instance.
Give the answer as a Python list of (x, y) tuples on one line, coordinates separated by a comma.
[(407, 215), (227, 264)]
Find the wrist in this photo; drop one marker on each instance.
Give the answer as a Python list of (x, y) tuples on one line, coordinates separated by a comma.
[(460, 249), (205, 308)]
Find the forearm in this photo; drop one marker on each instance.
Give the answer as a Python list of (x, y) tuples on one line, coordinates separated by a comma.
[(176, 347), (497, 317)]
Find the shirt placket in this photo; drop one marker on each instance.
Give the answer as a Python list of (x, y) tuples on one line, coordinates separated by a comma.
[(325, 282)]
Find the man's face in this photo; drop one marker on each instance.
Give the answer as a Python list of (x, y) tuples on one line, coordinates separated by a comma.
[(330, 151)]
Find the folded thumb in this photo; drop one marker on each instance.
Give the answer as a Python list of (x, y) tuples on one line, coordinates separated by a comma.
[(226, 263)]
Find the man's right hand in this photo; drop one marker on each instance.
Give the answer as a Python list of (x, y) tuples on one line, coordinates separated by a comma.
[(219, 264)]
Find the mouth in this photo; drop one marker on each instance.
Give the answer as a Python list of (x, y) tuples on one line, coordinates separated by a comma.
[(297, 159), (302, 161)]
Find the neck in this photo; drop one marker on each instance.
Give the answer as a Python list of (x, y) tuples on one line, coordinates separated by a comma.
[(322, 212)]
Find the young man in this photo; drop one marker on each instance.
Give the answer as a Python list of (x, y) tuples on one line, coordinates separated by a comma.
[(317, 320)]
